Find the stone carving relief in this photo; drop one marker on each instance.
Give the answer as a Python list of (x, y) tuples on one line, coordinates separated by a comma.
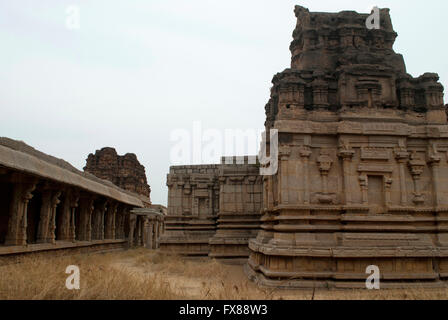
[(416, 166), (324, 162)]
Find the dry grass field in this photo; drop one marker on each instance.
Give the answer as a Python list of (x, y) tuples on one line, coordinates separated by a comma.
[(143, 274)]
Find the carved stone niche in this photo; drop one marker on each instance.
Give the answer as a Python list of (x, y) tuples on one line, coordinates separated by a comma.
[(375, 192), (320, 92), (324, 162), (406, 94), (433, 90), (416, 165), (292, 91), (369, 92)]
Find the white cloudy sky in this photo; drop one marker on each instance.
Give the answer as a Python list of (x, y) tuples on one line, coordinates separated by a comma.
[(137, 70)]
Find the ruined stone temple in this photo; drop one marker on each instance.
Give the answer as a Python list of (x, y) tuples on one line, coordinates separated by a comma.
[(213, 209), (123, 171), (362, 170), (48, 206)]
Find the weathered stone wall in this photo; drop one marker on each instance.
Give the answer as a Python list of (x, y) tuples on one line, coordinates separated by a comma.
[(363, 165), (193, 200), (240, 200), (124, 171), (213, 209)]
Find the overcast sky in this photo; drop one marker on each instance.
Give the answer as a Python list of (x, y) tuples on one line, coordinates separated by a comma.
[(135, 71)]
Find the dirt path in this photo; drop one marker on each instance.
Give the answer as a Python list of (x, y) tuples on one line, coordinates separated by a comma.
[(189, 287), (227, 282), (207, 279)]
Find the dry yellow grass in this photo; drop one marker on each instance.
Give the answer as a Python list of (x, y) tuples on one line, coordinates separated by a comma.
[(143, 274), (44, 278)]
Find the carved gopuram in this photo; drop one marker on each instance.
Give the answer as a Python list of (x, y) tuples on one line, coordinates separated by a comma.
[(124, 171), (48, 205), (240, 200), (363, 163)]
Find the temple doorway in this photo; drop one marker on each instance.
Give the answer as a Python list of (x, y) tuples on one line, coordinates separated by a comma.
[(376, 194)]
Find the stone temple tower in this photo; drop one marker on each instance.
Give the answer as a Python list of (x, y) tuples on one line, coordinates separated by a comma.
[(363, 162), (124, 171)]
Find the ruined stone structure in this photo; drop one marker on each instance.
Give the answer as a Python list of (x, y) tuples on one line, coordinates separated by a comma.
[(213, 209), (240, 200), (363, 163), (362, 173), (48, 205), (193, 199), (145, 227), (362, 177), (124, 171)]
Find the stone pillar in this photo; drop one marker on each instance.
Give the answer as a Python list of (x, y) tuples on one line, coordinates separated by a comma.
[(324, 162), (402, 158), (180, 190), (265, 193), (305, 153), (119, 223), (222, 191), (145, 232), (159, 232), (22, 194), (434, 163), (74, 198), (118, 217), (347, 155), (363, 182), (195, 201), (46, 227), (137, 231), (387, 187), (140, 231), (144, 227), (417, 165), (85, 215), (283, 190), (151, 233), (210, 198), (132, 223), (52, 227), (98, 220), (269, 192), (63, 229), (110, 221), (156, 234), (101, 220)]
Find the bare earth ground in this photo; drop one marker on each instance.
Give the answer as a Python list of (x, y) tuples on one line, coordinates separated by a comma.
[(144, 274)]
